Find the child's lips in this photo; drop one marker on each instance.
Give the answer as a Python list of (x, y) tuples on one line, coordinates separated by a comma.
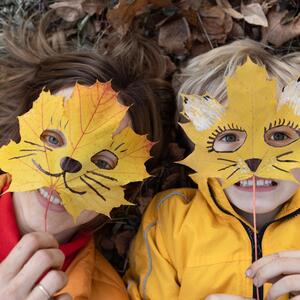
[(45, 196), (261, 185)]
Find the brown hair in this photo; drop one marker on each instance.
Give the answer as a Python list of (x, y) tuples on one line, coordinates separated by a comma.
[(135, 67)]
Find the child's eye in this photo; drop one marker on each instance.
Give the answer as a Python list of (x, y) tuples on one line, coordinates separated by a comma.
[(53, 138), (279, 136), (102, 164), (229, 138), (105, 160)]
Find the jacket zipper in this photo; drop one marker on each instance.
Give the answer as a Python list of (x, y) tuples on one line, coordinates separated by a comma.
[(260, 235)]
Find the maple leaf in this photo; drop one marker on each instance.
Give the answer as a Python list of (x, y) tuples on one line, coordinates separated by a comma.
[(252, 114), (64, 146)]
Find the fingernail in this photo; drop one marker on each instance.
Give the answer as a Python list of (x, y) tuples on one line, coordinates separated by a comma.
[(256, 282), (249, 273)]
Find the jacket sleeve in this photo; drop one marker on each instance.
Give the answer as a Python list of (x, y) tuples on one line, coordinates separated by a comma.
[(152, 274)]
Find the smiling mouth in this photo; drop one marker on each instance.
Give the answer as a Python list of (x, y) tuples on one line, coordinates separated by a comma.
[(52, 196), (259, 183), (40, 168)]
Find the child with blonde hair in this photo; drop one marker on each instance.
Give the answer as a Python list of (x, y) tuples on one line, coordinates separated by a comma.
[(201, 243)]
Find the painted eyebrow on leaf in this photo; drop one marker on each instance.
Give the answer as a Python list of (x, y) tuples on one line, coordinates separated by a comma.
[(281, 122), (119, 146)]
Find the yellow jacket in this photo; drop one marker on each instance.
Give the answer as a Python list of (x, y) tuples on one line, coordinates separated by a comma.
[(191, 244)]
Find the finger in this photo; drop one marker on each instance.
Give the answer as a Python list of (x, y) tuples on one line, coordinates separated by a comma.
[(63, 297), (38, 264), (275, 268), (284, 286), (226, 297), (52, 283), (25, 248), (269, 258)]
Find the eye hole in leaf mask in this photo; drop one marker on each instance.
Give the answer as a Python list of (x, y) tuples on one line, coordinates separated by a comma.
[(227, 140), (281, 136), (105, 159), (53, 138)]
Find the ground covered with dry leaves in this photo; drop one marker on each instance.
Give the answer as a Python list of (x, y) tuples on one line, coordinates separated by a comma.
[(183, 29)]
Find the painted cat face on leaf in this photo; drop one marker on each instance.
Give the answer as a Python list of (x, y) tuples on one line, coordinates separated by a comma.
[(254, 135), (69, 147)]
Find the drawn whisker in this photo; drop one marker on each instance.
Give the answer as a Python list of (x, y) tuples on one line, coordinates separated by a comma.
[(32, 150), (229, 160), (119, 146), (22, 156), (92, 188), (34, 144), (96, 181), (39, 167), (69, 188), (104, 176), (124, 150), (285, 160), (233, 173), (285, 171), (233, 165)]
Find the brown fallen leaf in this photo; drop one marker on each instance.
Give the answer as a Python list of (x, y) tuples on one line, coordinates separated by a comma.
[(175, 36), (226, 6), (254, 14), (277, 33), (70, 11), (214, 25), (92, 7), (122, 15)]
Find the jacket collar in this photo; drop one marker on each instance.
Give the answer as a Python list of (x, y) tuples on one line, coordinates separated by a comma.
[(219, 202), (10, 235)]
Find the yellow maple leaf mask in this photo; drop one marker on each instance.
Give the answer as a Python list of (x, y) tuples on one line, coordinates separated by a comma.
[(253, 123), (62, 147)]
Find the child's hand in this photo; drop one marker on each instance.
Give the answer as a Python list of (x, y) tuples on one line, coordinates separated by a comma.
[(281, 269), (34, 255), (226, 297)]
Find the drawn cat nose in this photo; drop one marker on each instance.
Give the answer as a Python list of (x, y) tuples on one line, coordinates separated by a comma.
[(70, 165), (253, 163)]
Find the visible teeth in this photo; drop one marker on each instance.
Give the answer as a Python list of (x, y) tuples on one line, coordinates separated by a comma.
[(259, 183), (53, 199)]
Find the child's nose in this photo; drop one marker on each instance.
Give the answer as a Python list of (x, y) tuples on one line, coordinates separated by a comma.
[(253, 163)]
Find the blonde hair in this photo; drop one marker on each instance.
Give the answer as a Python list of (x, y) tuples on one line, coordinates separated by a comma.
[(205, 73)]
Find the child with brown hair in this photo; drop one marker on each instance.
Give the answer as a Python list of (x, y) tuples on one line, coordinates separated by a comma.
[(202, 243), (29, 66)]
